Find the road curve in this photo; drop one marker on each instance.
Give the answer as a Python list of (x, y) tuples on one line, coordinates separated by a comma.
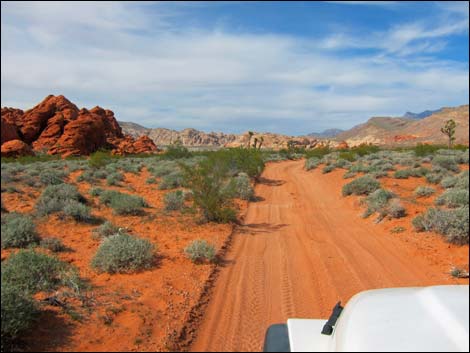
[(300, 250)]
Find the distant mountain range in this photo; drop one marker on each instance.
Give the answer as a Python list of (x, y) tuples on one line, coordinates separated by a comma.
[(411, 128), (329, 133), (422, 115)]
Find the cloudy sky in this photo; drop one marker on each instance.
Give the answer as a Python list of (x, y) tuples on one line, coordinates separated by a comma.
[(286, 67)]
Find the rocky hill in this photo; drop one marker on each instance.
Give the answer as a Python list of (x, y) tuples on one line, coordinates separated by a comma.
[(57, 126), (196, 138), (403, 131), (329, 133)]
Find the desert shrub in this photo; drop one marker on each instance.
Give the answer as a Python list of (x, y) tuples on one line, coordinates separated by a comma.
[(163, 168), (342, 163), (54, 198), (19, 312), (402, 174), (200, 250), (243, 188), (446, 162), (361, 186), (328, 168), (312, 163), (423, 191), (96, 191), (32, 272), (462, 180), (171, 181), (123, 253), (114, 178), (52, 244), (99, 159), (434, 178), (349, 174), (397, 229), (174, 200), (238, 160), (360, 168), (18, 231), (363, 149), (208, 182), (377, 201), (51, 177), (105, 230), (151, 180), (176, 151), (422, 150), (348, 156), (453, 198), (379, 174), (395, 209), (317, 152), (449, 181), (451, 223), (123, 204), (77, 210)]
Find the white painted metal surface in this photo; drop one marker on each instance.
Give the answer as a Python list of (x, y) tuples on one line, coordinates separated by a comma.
[(396, 319)]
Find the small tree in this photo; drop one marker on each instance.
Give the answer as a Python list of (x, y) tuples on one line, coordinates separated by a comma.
[(449, 130), (250, 134), (261, 140)]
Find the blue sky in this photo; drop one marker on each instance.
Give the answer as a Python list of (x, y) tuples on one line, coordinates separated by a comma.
[(285, 67)]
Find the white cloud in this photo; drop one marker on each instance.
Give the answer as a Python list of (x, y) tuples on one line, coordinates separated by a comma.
[(136, 61)]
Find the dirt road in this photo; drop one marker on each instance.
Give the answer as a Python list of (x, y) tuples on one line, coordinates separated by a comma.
[(302, 248)]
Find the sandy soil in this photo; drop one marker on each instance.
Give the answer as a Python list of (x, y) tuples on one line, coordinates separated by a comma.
[(303, 247), (142, 311)]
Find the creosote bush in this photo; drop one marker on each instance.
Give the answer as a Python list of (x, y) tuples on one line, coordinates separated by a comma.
[(18, 231), (200, 250), (55, 197), (361, 186), (123, 253)]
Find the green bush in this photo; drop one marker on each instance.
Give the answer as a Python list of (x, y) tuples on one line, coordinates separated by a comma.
[(312, 163), (174, 200), (200, 250), (78, 211), (451, 223), (105, 230), (171, 181), (422, 150), (243, 187), (123, 204), (424, 191), (349, 156), (99, 159), (114, 178), (32, 272), (363, 150), (446, 162), (395, 209), (52, 244), (123, 253), (434, 178), (96, 191), (151, 180), (377, 201), (449, 182), (317, 152), (176, 151), (18, 231), (361, 186), (208, 183), (55, 197), (18, 314), (51, 177), (453, 198), (328, 169)]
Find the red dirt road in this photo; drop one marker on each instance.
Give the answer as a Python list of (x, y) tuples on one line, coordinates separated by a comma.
[(302, 248)]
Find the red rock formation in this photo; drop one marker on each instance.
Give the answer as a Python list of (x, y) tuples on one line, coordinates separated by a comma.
[(343, 145), (57, 126), (16, 148)]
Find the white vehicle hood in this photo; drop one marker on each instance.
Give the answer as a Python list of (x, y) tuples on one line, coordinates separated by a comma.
[(397, 319)]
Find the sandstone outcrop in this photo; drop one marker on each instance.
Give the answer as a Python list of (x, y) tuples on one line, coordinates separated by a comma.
[(57, 126)]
